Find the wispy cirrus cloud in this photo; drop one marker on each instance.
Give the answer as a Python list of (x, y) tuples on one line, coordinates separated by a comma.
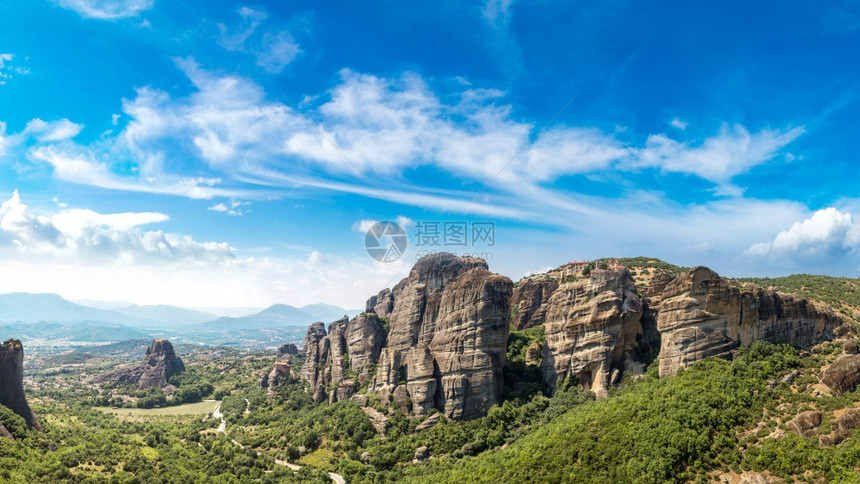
[(732, 151), (107, 9), (368, 134), (82, 168), (272, 49)]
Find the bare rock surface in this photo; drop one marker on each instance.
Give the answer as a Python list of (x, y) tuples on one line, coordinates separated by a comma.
[(159, 364), (280, 373), (365, 337), (287, 349), (701, 315), (805, 423), (528, 302), (448, 324), (12, 384), (591, 327), (843, 375), (377, 419)]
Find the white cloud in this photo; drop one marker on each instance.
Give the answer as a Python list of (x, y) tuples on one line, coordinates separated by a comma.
[(404, 222), (81, 254), (53, 131), (78, 235), (362, 226), (7, 70), (827, 232), (497, 12), (273, 50), (234, 209), (370, 136), (731, 152), (107, 9), (4, 142), (571, 150), (81, 168), (677, 123)]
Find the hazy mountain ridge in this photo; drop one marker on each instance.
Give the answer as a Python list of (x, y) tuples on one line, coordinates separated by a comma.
[(21, 307), (282, 315)]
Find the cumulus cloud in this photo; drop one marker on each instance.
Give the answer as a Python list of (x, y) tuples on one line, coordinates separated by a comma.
[(82, 254), (76, 235), (826, 233), (273, 50), (107, 9)]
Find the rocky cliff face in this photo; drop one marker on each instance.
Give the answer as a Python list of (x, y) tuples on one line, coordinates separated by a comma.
[(159, 364), (382, 304), (528, 302), (445, 347), (287, 349), (438, 339), (700, 315), (279, 374), (591, 327), (596, 326), (447, 337), (12, 384)]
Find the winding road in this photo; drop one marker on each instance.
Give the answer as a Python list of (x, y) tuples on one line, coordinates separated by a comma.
[(222, 429)]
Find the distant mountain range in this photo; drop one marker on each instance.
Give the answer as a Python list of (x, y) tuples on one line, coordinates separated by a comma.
[(283, 315), (51, 308)]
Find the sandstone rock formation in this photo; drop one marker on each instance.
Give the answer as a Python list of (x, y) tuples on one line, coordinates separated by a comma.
[(159, 364), (429, 423), (701, 315), (843, 375), (378, 420), (365, 337), (382, 304), (421, 454), (528, 302), (591, 327), (12, 384), (279, 374), (447, 338), (805, 423), (445, 347), (841, 429), (287, 349), (437, 340)]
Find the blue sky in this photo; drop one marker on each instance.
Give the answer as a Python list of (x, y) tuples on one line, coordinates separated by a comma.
[(233, 154)]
